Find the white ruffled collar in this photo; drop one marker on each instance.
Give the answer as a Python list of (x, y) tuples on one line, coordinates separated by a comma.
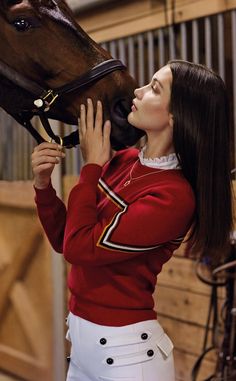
[(164, 162)]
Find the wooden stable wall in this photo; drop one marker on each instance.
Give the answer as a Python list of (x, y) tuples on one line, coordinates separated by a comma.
[(182, 303), (26, 288), (125, 18)]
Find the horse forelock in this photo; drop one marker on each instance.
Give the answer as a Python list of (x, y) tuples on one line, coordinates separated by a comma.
[(59, 12)]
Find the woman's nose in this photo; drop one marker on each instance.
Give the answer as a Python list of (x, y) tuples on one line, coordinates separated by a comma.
[(138, 93)]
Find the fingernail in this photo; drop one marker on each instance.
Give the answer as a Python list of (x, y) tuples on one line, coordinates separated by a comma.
[(89, 100), (107, 124), (82, 106)]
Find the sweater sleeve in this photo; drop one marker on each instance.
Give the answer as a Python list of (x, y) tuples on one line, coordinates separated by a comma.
[(143, 226), (52, 215)]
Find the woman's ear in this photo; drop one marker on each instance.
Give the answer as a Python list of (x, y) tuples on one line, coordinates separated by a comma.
[(171, 120)]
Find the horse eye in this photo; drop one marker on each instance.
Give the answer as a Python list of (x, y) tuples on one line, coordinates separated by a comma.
[(22, 25)]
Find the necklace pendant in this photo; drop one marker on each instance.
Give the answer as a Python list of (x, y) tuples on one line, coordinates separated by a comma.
[(127, 183)]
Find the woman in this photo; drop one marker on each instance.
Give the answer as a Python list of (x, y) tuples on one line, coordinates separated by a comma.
[(127, 215)]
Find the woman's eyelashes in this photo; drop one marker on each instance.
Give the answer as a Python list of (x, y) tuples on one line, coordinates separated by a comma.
[(155, 88)]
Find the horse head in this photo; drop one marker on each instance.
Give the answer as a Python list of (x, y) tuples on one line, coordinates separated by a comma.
[(41, 41)]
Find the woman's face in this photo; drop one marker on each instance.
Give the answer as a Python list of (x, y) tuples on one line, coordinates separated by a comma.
[(150, 109)]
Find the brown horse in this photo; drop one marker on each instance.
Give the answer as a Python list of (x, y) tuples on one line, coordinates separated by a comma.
[(41, 48)]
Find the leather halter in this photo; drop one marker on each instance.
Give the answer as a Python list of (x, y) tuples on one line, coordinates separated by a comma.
[(43, 99)]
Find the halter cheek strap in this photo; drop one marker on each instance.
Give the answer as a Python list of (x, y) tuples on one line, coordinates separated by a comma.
[(43, 99)]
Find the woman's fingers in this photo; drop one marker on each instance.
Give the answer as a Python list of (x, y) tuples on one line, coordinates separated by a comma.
[(39, 169), (44, 145), (89, 123), (47, 147), (94, 137), (82, 121), (90, 116), (106, 132), (44, 158), (47, 153), (50, 149), (98, 118)]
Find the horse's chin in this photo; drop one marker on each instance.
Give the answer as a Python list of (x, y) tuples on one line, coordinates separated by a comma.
[(124, 134)]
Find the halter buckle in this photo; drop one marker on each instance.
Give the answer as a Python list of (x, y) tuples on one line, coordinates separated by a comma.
[(46, 100), (49, 98), (54, 140)]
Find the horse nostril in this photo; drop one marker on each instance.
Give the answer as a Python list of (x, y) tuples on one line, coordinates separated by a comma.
[(120, 110)]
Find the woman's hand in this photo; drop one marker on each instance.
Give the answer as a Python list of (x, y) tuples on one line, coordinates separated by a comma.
[(44, 158), (94, 141)]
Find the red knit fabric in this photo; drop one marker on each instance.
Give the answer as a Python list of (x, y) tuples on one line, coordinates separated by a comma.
[(117, 238)]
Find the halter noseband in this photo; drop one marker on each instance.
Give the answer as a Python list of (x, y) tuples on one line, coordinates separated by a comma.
[(44, 99)]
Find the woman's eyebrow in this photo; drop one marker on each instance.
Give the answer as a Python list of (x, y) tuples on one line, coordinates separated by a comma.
[(159, 82)]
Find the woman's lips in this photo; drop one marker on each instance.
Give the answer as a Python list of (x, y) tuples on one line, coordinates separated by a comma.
[(133, 107)]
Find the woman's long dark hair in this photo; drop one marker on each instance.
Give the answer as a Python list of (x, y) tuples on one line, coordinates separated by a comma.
[(201, 135)]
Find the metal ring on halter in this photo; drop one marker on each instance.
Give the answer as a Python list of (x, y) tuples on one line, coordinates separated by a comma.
[(225, 266), (211, 281), (53, 140)]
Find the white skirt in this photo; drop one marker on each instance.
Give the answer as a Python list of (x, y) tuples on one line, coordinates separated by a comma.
[(135, 352)]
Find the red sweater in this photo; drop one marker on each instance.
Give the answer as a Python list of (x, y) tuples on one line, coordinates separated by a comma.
[(117, 238)]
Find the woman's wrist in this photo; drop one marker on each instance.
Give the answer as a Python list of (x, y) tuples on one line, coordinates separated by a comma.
[(41, 184)]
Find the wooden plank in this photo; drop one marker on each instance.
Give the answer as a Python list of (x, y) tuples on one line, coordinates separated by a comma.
[(5, 257), (137, 17), (26, 338), (21, 365), (17, 194), (184, 363), (185, 336), (21, 262), (180, 273), (68, 182), (114, 15), (183, 304), (32, 327)]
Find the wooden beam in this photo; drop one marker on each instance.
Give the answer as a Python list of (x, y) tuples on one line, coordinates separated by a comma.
[(184, 363), (32, 327), (5, 257), (137, 17), (180, 273), (21, 365), (17, 194), (182, 304), (20, 264), (186, 337)]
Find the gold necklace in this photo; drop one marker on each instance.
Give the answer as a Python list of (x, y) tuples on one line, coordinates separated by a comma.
[(131, 178)]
